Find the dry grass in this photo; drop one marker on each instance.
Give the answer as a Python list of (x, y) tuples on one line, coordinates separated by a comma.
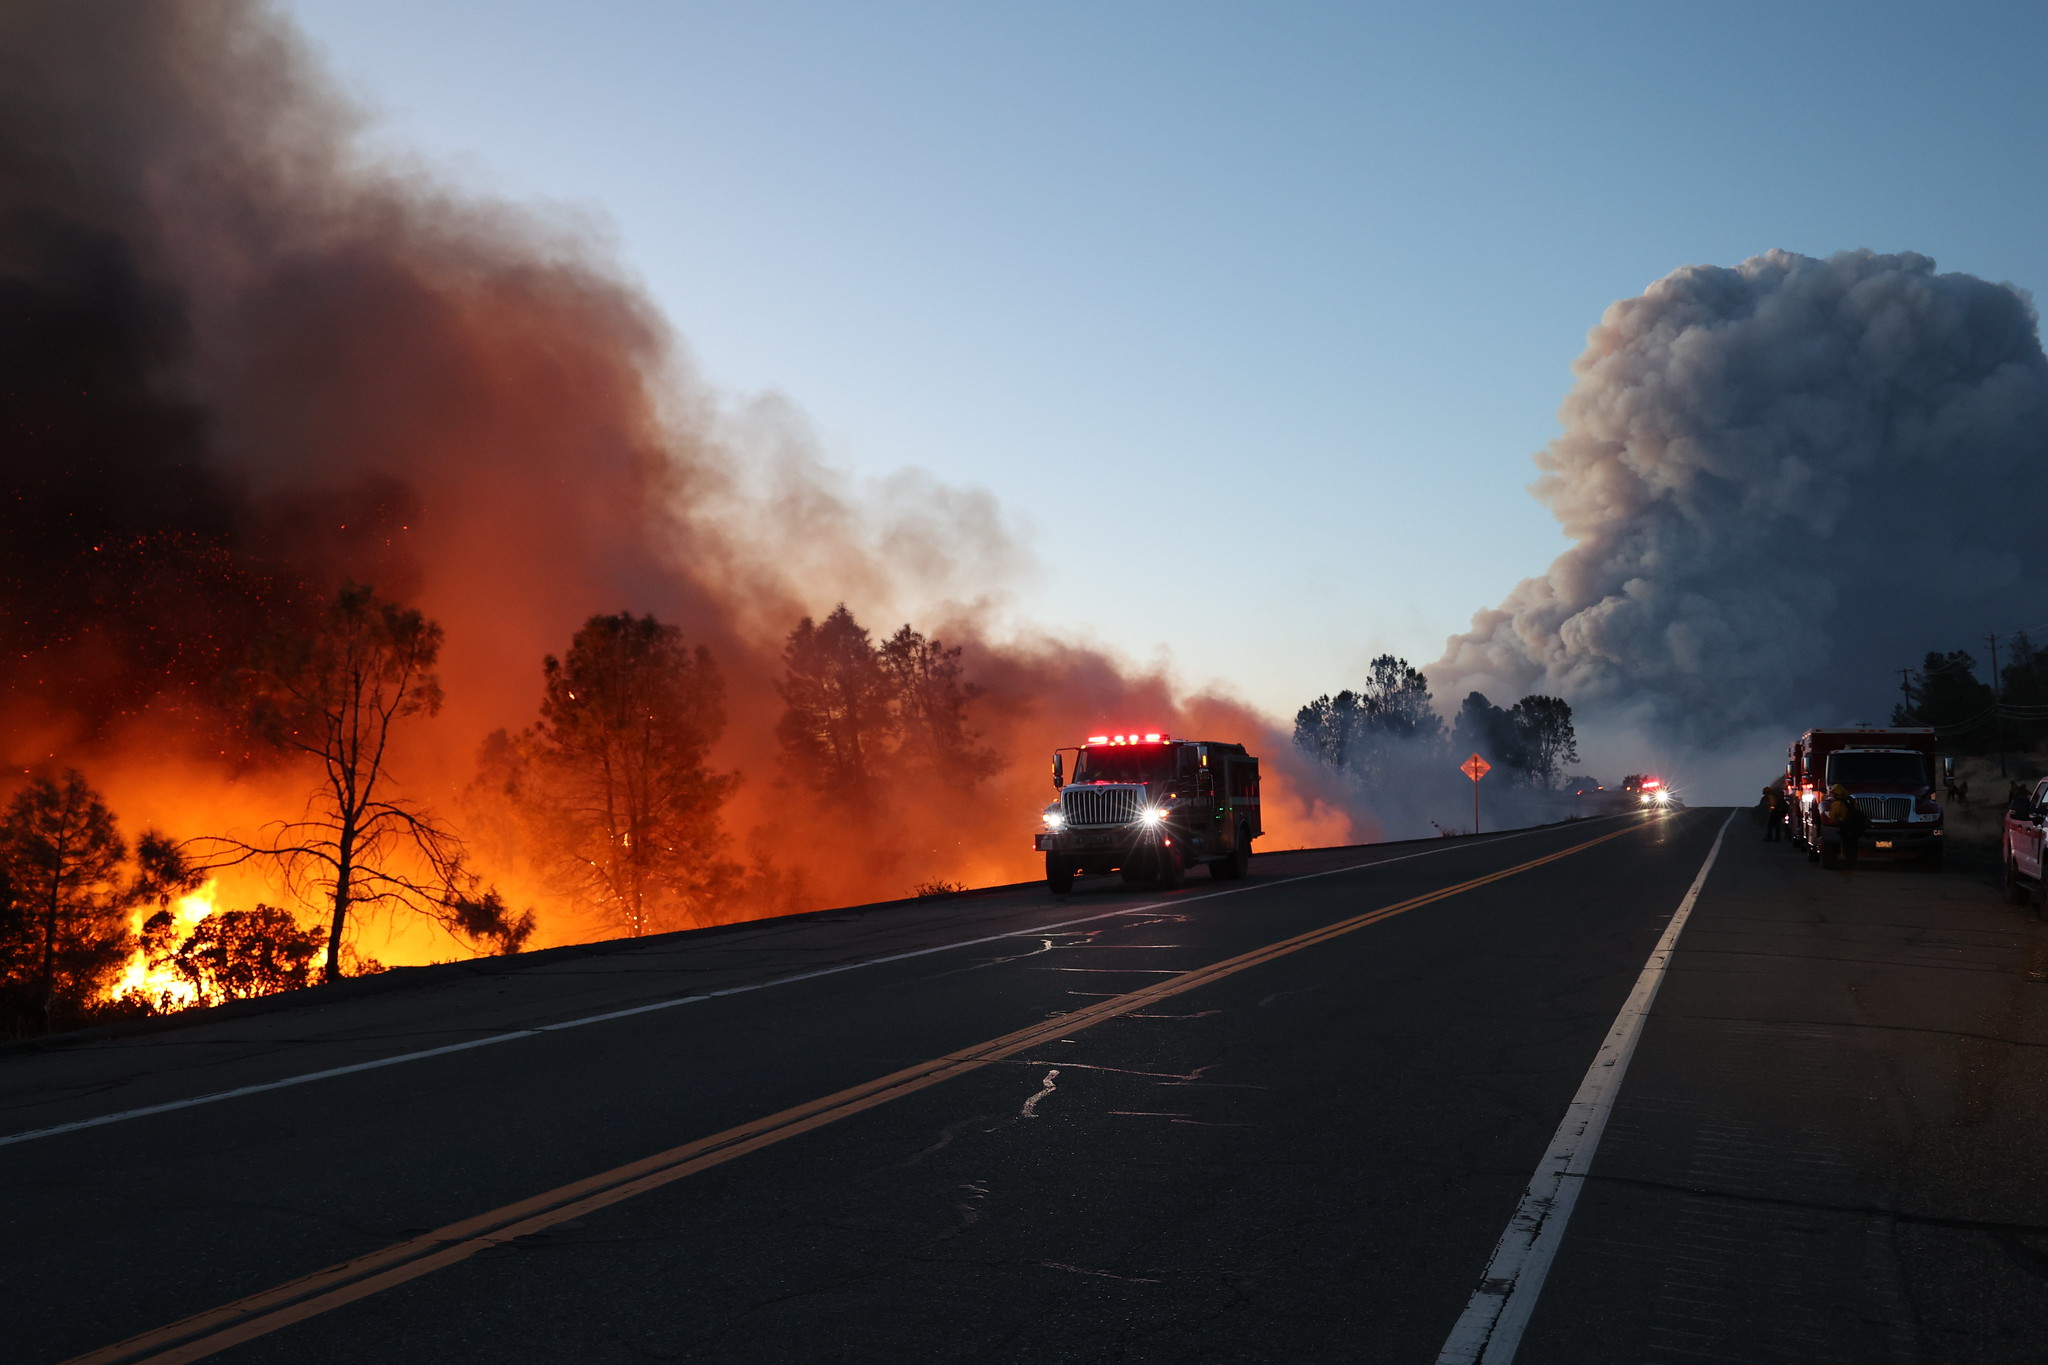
[(1979, 822)]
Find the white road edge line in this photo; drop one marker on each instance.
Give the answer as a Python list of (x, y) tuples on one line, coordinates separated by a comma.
[(330, 1073), (1490, 1328)]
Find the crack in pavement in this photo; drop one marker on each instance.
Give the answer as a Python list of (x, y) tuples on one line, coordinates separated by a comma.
[(1695, 950), (1861, 1210), (1853, 1024), (1105, 1274), (946, 1136)]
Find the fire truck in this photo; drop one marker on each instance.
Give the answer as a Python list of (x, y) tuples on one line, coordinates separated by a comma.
[(1889, 772), (1149, 806), (1648, 790)]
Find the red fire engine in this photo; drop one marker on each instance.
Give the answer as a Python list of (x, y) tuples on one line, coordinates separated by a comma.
[(1149, 806), (1888, 771)]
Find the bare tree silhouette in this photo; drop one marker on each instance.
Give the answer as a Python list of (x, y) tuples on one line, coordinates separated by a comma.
[(334, 694)]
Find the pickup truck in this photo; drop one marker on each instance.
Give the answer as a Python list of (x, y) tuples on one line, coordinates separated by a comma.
[(2026, 821)]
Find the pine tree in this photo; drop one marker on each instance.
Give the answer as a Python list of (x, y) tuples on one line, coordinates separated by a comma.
[(628, 718), (1545, 737), (65, 861), (839, 721), (931, 705)]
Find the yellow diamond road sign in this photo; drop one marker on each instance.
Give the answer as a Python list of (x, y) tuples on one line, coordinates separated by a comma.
[(1475, 767)]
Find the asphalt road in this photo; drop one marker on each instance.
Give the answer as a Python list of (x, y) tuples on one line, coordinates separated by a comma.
[(1086, 1154)]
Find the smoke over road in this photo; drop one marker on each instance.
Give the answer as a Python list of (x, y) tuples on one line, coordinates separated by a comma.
[(242, 361), (1786, 480)]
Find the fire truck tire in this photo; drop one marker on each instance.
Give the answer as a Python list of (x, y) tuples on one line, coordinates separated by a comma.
[(1238, 861), (1059, 874), (1830, 854), (1171, 872), (1933, 861)]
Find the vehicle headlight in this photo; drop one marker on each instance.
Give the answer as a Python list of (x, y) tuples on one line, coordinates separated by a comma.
[(1663, 798), (1152, 815), (1055, 818)]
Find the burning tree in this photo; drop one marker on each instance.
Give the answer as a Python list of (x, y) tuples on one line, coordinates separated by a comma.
[(628, 718), (333, 694), (64, 932), (66, 861), (240, 954)]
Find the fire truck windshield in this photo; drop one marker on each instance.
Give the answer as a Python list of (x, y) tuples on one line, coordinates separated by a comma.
[(1125, 763), (1898, 769)]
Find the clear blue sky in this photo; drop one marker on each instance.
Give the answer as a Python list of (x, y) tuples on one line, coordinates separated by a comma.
[(1323, 267)]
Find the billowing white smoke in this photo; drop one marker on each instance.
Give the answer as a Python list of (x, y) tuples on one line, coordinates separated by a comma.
[(1785, 480)]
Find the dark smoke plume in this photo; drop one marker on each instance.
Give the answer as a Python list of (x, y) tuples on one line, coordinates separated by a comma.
[(241, 362), (1786, 480)]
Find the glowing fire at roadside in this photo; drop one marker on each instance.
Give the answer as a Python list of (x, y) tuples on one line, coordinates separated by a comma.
[(160, 985)]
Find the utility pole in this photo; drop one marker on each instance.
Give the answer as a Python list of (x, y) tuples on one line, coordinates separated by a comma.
[(1997, 709), (1906, 690)]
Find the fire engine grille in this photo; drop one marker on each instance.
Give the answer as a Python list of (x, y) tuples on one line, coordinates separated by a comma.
[(1899, 808), (1100, 805)]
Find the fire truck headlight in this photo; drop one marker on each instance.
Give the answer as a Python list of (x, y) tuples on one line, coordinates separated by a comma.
[(1055, 819), (1663, 797), (1152, 815)]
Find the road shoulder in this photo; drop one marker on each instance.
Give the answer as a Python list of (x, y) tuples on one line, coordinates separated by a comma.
[(1829, 1145)]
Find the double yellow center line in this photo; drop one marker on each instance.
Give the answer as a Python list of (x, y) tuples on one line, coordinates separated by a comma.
[(197, 1337)]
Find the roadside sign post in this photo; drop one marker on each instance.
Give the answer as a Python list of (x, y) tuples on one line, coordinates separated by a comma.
[(1475, 768)]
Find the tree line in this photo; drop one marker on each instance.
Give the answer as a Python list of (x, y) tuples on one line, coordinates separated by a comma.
[(611, 797), (1973, 716), (1376, 734)]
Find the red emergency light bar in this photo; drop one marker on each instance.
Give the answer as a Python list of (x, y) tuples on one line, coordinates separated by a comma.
[(1652, 783), (1153, 737)]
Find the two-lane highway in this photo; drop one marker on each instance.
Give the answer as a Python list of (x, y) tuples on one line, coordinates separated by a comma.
[(1281, 1119)]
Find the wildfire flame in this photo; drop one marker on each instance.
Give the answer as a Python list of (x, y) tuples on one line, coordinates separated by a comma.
[(160, 985)]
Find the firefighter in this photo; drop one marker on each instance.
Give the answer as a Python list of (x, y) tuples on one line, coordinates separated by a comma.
[(1774, 813), (1848, 817)]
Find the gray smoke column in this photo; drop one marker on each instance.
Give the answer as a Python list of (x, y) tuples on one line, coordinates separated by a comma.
[(1784, 480)]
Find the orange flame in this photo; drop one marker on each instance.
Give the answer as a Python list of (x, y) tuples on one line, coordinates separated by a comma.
[(160, 985)]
